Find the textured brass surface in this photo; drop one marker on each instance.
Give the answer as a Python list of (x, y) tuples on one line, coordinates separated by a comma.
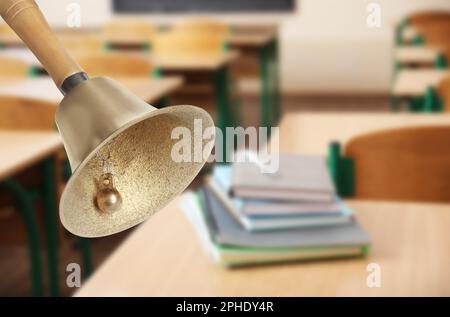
[(144, 173)]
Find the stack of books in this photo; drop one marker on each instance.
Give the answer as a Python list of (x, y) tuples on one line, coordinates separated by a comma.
[(244, 217)]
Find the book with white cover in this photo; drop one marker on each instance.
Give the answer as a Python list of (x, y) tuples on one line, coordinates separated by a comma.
[(299, 178)]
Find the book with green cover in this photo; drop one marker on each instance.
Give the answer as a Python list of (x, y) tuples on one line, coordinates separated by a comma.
[(248, 248)]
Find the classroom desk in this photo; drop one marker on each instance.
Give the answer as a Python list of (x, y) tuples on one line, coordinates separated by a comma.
[(163, 257), (194, 63), (216, 65), (311, 133), (21, 53), (19, 150), (415, 82), (416, 55), (10, 40), (409, 34), (148, 89), (262, 45)]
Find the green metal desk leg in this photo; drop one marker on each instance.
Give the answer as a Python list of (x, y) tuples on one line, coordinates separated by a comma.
[(264, 59), (25, 205), (276, 83), (430, 98), (441, 62), (49, 199), (85, 244), (221, 91), (394, 104), (86, 256)]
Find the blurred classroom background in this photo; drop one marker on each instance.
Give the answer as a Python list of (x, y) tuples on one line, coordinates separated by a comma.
[(368, 104)]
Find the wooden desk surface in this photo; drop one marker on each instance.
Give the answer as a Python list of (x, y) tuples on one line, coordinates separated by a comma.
[(414, 82), (195, 63), (251, 39), (11, 40), (416, 54), (163, 257), (311, 133), (21, 53), (21, 149), (188, 63), (148, 89)]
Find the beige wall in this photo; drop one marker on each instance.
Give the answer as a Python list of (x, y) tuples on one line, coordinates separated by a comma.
[(326, 47)]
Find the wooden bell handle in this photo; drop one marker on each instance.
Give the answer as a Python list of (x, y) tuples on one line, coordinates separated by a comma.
[(26, 19)]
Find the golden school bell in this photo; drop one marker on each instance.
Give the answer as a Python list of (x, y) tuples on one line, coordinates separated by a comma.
[(119, 147)]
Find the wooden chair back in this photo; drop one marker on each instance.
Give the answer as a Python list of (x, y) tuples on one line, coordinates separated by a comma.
[(428, 17), (203, 26), (443, 91), (186, 43), (116, 65), (13, 68), (436, 34), (82, 43), (129, 27), (18, 113), (409, 164)]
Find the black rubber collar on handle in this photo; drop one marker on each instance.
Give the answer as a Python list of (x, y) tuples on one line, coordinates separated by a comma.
[(72, 81)]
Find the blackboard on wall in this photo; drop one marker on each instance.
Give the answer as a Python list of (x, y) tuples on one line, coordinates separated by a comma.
[(181, 6)]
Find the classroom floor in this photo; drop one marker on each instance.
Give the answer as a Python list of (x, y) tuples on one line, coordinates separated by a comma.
[(14, 260)]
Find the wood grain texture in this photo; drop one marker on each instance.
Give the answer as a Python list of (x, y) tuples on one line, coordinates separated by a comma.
[(428, 17), (311, 133), (444, 92), (122, 28), (25, 18), (163, 257), (148, 89), (416, 55), (13, 67), (203, 26), (116, 64), (408, 164), (414, 82), (18, 113), (20, 149), (191, 43)]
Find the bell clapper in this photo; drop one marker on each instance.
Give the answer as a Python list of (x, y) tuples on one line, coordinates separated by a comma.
[(108, 197)]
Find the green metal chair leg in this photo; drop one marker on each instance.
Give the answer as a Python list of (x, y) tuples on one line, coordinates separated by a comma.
[(334, 157), (49, 199), (25, 206), (342, 171), (86, 256)]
